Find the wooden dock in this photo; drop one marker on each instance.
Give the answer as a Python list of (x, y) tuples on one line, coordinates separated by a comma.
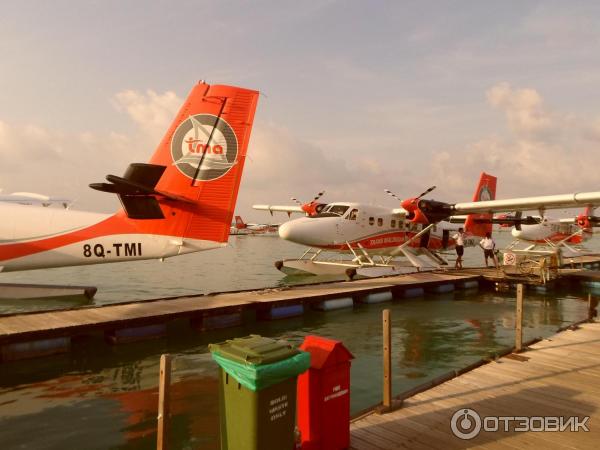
[(42, 333), (559, 376), (25, 327)]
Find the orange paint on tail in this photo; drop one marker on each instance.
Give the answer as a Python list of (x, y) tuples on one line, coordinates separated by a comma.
[(486, 190), (203, 153)]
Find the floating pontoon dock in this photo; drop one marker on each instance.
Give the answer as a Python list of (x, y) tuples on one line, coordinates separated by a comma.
[(41, 333)]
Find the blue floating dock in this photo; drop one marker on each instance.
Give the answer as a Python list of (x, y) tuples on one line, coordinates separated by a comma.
[(333, 304), (281, 312), (413, 292), (441, 288), (377, 297)]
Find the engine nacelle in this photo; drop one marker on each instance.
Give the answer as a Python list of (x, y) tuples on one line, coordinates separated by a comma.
[(426, 211), (313, 208), (584, 221)]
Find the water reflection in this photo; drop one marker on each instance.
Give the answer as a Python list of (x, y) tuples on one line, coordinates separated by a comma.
[(106, 396)]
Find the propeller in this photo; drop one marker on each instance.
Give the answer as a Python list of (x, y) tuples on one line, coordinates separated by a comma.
[(311, 208), (426, 192), (391, 194), (317, 197)]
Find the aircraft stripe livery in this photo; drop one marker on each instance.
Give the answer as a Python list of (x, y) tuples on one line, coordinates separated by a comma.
[(181, 201)]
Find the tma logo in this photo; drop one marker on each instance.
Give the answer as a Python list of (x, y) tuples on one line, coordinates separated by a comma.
[(206, 145), (484, 193)]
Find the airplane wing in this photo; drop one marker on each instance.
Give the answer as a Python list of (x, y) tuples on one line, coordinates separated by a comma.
[(30, 198), (279, 208), (529, 203), (399, 212)]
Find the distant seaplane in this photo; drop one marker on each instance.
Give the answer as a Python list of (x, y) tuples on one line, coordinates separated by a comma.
[(31, 198), (239, 227)]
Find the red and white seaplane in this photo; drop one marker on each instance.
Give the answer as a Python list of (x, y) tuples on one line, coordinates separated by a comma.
[(419, 230), (182, 201), (241, 228), (541, 231)]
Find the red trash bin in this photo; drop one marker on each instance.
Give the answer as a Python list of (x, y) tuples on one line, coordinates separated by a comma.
[(324, 395)]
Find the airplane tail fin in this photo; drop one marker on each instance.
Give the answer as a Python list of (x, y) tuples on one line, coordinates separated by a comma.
[(239, 223), (486, 190), (189, 187)]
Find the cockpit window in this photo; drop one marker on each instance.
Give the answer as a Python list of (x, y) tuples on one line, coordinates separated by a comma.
[(332, 211), (353, 214), (340, 210)]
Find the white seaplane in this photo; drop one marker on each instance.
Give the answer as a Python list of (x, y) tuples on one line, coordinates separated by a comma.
[(419, 230), (553, 233)]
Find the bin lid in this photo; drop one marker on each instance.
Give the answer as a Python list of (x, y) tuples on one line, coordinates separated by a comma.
[(325, 352), (254, 349)]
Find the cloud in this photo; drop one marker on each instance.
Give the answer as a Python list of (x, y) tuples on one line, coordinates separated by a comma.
[(524, 109), (151, 112), (55, 162), (543, 153)]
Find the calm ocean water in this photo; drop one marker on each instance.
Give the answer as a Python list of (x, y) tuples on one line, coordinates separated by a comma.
[(246, 263), (100, 396)]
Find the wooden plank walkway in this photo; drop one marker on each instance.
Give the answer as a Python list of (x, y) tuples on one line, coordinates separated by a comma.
[(27, 326), (559, 376)]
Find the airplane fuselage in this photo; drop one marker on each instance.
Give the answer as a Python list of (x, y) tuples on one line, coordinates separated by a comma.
[(553, 231), (376, 229), (33, 237)]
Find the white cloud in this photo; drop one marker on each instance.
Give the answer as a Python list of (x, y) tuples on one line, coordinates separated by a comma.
[(544, 153), (151, 112), (60, 163), (524, 109)]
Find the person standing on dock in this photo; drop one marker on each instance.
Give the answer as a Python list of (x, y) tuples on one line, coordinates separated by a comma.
[(459, 238), (488, 245)]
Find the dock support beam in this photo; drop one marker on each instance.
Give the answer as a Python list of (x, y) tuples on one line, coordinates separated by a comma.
[(387, 361), (162, 432), (519, 320)]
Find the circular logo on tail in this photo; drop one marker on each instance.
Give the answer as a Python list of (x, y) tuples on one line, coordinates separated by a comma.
[(484, 194), (206, 145)]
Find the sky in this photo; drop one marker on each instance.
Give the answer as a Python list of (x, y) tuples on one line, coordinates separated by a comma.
[(357, 96)]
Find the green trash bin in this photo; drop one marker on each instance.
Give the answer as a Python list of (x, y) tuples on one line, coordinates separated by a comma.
[(258, 392)]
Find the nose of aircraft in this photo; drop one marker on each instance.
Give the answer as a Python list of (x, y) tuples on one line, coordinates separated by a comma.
[(285, 231), (299, 231), (516, 233)]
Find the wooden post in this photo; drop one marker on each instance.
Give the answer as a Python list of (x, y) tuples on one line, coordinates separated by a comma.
[(162, 434), (387, 360), (519, 320), (592, 304)]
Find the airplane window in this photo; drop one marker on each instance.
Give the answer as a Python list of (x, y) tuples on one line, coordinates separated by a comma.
[(393, 223), (379, 221), (340, 210), (353, 214), (371, 220)]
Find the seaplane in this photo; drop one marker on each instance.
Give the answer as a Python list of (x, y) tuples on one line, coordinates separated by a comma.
[(32, 198), (181, 201), (420, 230), (239, 227), (553, 233)]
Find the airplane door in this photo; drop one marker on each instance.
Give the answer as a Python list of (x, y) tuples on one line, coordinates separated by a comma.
[(445, 238)]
